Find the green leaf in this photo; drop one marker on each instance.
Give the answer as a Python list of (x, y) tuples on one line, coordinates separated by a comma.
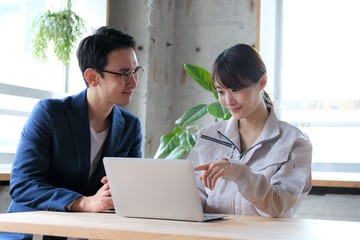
[(200, 75), (214, 92), (218, 111), (187, 140), (174, 145), (187, 143), (192, 114), (177, 153), (168, 143)]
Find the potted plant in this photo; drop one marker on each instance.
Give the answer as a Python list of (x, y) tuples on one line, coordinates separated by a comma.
[(177, 143), (62, 28)]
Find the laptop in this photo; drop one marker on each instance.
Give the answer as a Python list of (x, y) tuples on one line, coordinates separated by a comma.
[(155, 188)]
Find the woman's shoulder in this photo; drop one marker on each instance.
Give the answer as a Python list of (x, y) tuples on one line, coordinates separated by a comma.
[(289, 130), (285, 128)]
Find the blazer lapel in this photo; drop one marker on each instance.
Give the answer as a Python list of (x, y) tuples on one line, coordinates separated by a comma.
[(110, 148), (115, 133), (79, 121)]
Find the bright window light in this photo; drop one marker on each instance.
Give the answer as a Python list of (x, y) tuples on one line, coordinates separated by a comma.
[(314, 57)]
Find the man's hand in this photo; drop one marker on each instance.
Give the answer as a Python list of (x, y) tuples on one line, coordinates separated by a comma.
[(213, 171), (101, 201)]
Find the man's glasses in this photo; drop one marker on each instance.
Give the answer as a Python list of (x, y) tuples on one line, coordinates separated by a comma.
[(126, 75)]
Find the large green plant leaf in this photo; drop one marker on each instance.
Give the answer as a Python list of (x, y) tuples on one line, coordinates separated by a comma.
[(214, 92), (175, 144), (178, 153), (218, 111), (168, 143), (192, 114), (200, 75), (187, 140), (186, 144)]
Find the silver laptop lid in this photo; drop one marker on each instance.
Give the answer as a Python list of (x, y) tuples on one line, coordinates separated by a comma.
[(154, 188)]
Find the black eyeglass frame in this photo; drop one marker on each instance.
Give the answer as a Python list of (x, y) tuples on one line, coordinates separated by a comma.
[(125, 76)]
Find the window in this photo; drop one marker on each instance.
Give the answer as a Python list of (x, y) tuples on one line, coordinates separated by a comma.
[(23, 80), (311, 49)]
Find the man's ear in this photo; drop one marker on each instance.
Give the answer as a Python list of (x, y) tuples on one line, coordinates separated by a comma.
[(263, 82), (91, 77)]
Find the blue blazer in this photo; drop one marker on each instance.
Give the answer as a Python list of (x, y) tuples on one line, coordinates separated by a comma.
[(52, 162)]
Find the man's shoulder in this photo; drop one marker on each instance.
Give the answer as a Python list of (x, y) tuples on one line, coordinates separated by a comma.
[(54, 103), (61, 103)]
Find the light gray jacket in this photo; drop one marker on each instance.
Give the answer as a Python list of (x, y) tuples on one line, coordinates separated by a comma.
[(268, 179)]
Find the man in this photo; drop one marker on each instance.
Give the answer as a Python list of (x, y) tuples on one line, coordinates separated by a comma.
[(58, 164)]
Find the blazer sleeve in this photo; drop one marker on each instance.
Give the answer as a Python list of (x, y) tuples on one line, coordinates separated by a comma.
[(29, 182)]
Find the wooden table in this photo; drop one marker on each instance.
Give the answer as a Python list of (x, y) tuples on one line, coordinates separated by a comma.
[(111, 226)]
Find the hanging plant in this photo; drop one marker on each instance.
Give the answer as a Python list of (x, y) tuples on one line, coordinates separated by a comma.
[(62, 28)]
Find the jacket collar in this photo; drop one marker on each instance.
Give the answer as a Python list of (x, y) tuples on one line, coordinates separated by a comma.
[(271, 130), (115, 132), (78, 115)]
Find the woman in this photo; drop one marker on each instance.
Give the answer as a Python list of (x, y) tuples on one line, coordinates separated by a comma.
[(253, 163)]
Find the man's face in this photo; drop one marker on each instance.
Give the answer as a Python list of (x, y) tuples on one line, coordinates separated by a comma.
[(118, 87)]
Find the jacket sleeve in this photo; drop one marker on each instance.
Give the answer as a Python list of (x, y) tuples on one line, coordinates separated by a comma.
[(29, 185), (194, 158), (291, 181)]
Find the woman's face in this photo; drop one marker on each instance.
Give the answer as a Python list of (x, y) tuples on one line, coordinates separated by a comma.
[(241, 102)]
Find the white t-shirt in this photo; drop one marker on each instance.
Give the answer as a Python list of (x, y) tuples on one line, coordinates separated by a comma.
[(97, 142)]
